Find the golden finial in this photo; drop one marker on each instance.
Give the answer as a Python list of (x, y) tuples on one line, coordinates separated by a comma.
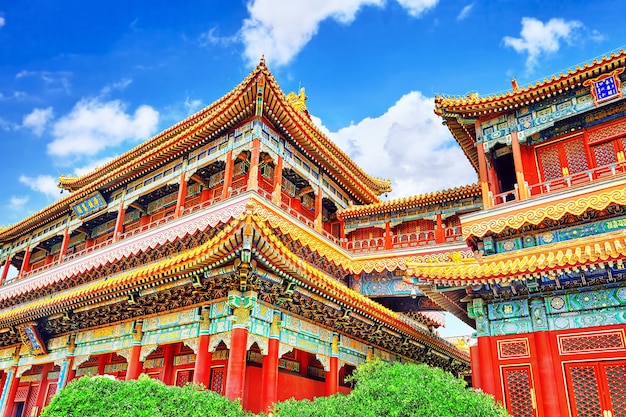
[(298, 102)]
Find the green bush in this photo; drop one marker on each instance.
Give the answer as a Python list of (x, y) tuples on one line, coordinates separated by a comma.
[(399, 391), (102, 396)]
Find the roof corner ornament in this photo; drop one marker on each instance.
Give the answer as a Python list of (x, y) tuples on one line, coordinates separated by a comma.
[(298, 102), (514, 85)]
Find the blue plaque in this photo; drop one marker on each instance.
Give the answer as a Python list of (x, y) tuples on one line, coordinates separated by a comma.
[(92, 204)]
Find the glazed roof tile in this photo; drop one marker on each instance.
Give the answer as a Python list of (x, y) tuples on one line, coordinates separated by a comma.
[(460, 113), (212, 121), (449, 195)]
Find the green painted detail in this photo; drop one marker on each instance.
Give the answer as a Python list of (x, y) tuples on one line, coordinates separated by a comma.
[(508, 309), (578, 310), (219, 310), (220, 325), (476, 309), (110, 345), (171, 334), (305, 342)]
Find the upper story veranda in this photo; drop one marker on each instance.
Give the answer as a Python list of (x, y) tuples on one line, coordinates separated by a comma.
[(253, 141), (547, 140)]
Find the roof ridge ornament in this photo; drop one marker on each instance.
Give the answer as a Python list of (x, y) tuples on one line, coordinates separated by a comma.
[(298, 102)]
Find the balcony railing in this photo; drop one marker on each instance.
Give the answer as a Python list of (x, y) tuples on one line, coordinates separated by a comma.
[(566, 182)]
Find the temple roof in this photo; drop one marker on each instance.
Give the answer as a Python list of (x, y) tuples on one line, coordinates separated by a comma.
[(510, 266), (460, 113), (212, 256), (214, 120), (435, 197)]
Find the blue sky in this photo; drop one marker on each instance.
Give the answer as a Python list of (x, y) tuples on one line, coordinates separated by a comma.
[(81, 82)]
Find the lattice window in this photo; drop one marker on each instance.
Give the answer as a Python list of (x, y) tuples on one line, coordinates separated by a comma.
[(519, 398), (550, 165), (604, 154), (32, 398), (576, 158), (586, 395), (21, 394), (217, 380), (591, 342), (616, 380), (183, 378), (513, 348), (52, 389)]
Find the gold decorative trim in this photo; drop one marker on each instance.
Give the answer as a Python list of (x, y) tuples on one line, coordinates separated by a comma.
[(553, 211)]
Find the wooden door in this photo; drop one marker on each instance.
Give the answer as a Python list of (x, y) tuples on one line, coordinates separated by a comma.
[(519, 391), (217, 380), (597, 389)]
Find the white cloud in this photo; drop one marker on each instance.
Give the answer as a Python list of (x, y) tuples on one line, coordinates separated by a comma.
[(2, 21), (408, 145), (93, 125), (120, 85), (44, 184), (211, 37), (17, 203), (538, 38), (417, 7), (465, 11), (279, 29), (37, 120), (57, 80)]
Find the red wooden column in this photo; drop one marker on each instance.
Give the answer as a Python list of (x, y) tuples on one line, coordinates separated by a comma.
[(182, 193), (134, 362), (205, 195), (552, 400), (278, 181), (319, 219), (332, 376), (487, 374), (9, 391), (483, 177), (167, 375), (388, 240), (519, 168), (64, 244), (43, 387), (228, 175), (253, 173), (242, 304), (475, 364), (119, 222), (26, 262), (269, 393), (440, 233), (202, 367), (5, 269)]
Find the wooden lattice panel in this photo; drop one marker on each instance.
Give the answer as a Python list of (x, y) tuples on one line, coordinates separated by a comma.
[(604, 154), (585, 389), (550, 165), (591, 342), (183, 378), (517, 348), (52, 389), (32, 398), (576, 158), (21, 394), (217, 380), (519, 397), (616, 380)]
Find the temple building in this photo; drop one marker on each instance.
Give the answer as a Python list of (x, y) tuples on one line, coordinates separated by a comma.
[(240, 249), (546, 283)]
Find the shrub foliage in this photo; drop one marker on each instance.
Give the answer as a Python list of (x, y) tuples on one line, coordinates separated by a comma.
[(381, 390), (399, 391), (105, 397)]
